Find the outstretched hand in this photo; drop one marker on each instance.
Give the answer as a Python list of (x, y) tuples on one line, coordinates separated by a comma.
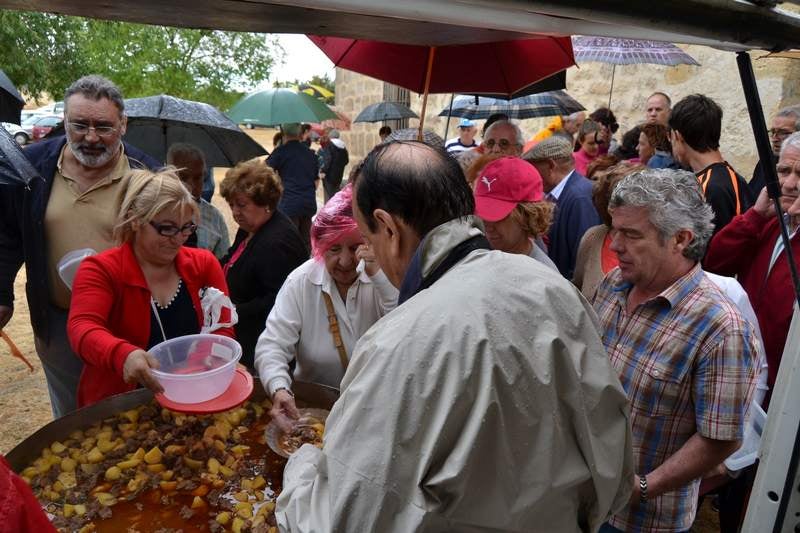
[(137, 370), (284, 411)]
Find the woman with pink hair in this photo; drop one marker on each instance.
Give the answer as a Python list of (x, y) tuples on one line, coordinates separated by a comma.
[(323, 308)]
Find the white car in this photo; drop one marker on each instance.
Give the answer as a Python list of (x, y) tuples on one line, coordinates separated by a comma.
[(28, 122), (20, 135), (26, 114), (55, 108)]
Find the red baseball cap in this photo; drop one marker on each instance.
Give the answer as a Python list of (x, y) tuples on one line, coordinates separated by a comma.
[(503, 184)]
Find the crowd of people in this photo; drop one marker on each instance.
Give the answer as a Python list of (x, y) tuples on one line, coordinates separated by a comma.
[(524, 331)]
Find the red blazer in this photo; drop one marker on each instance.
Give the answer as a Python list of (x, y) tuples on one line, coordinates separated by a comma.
[(109, 314), (743, 248), (20, 512)]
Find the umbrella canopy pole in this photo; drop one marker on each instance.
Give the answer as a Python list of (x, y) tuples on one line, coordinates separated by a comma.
[(449, 112), (431, 53), (611, 90), (774, 191)]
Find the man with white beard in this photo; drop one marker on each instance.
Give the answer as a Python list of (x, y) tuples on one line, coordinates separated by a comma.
[(73, 206)]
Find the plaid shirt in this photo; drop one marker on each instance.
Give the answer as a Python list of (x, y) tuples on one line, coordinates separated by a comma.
[(688, 361), (212, 231)]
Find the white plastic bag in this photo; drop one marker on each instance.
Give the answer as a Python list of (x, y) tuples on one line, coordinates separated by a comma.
[(213, 301)]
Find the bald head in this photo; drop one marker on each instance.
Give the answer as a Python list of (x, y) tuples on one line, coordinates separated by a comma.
[(191, 166), (419, 183), (404, 190), (504, 137), (572, 123), (658, 108)]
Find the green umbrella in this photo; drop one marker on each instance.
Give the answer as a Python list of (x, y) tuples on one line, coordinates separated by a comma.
[(279, 106)]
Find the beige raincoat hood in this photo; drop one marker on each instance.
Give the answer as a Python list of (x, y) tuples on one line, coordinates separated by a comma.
[(483, 403)]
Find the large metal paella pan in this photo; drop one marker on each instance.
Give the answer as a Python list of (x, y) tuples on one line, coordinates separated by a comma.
[(126, 463)]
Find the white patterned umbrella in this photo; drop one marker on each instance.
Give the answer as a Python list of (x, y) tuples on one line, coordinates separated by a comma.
[(628, 51), (616, 51)]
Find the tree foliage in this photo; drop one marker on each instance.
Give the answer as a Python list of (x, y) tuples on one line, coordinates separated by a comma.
[(43, 53)]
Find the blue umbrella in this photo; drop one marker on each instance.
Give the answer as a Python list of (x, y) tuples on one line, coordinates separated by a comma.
[(547, 104)]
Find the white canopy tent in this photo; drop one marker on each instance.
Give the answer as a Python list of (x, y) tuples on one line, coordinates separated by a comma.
[(734, 25)]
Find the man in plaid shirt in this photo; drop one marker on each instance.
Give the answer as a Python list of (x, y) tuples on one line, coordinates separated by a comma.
[(687, 359)]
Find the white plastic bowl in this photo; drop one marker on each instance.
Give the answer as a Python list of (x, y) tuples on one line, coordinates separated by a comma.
[(196, 368), (68, 265), (751, 443)]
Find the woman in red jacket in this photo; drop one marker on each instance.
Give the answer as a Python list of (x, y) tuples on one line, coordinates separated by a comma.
[(20, 512), (132, 297)]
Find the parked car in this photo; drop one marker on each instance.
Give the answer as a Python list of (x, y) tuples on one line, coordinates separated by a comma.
[(16, 131), (44, 125), (55, 108), (27, 114), (28, 122)]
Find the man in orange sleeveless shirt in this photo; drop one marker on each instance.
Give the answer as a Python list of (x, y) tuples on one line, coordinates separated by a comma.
[(696, 124)]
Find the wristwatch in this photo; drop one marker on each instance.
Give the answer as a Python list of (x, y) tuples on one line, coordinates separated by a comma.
[(283, 388), (642, 489)]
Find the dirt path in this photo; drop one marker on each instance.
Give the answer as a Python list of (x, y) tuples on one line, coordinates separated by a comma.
[(24, 403)]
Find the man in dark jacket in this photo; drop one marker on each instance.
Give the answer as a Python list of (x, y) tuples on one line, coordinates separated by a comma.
[(334, 157), (785, 122), (72, 205), (572, 194), (298, 168)]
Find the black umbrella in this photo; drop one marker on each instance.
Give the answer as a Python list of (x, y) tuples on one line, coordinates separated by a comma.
[(14, 166), (556, 82), (157, 122), (412, 134), (547, 104), (385, 111), (11, 103)]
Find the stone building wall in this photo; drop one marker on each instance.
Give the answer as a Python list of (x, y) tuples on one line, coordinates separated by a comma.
[(717, 77)]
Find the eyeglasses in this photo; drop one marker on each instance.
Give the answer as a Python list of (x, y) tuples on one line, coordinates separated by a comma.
[(779, 133), (170, 230), (83, 129), (504, 144)]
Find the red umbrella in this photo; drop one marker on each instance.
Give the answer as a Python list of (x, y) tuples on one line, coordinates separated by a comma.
[(500, 68), (342, 122)]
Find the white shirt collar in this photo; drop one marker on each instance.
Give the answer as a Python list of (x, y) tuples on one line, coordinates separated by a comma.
[(558, 189)]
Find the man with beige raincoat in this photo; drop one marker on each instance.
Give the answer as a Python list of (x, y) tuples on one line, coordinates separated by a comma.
[(484, 402)]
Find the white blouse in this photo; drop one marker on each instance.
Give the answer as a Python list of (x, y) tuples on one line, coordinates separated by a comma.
[(297, 326)]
